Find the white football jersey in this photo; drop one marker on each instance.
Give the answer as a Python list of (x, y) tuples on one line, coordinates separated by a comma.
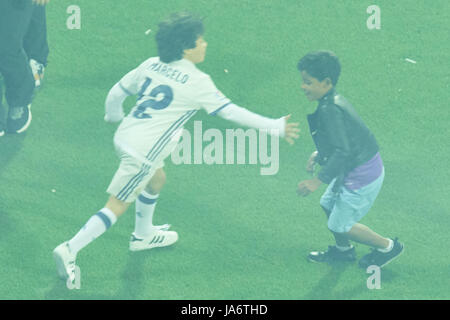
[(168, 95)]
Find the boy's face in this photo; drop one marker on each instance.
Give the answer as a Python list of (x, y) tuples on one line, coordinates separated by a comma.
[(313, 88), (197, 54)]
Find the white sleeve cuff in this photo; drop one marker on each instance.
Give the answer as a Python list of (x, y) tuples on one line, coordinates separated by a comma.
[(244, 117)]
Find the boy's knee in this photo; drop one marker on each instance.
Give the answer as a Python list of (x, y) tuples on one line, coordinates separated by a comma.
[(157, 182), (117, 206), (334, 227), (338, 230)]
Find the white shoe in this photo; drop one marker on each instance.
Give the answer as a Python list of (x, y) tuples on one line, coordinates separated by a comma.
[(65, 261), (38, 72), (161, 238)]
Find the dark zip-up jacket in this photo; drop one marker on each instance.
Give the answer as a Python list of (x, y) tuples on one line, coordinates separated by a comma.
[(342, 139)]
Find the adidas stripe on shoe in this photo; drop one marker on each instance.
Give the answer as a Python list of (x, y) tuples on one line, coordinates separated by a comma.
[(161, 238)]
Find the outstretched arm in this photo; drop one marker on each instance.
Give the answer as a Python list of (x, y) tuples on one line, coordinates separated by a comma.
[(244, 117)]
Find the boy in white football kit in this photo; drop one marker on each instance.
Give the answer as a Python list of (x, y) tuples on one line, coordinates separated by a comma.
[(170, 90)]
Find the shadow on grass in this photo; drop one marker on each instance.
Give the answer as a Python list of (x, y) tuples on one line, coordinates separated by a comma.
[(324, 288), (137, 274), (133, 276), (10, 145), (387, 276), (328, 288), (134, 281), (58, 290), (131, 288), (6, 226)]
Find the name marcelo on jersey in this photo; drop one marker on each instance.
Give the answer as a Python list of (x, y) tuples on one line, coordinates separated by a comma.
[(169, 72)]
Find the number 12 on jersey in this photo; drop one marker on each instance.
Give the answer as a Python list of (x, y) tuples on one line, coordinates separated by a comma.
[(158, 98)]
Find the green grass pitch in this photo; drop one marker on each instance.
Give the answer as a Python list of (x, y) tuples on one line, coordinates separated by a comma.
[(242, 235)]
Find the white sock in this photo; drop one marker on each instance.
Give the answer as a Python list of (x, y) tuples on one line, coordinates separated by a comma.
[(389, 247), (145, 206), (95, 227), (344, 248)]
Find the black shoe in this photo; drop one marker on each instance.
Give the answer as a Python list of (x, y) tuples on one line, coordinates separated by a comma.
[(381, 259), (332, 254), (19, 119)]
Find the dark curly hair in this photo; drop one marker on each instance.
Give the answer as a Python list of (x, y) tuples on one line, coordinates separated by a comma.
[(320, 65), (178, 32)]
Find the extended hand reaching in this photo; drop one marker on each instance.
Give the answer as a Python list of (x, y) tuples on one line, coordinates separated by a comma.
[(308, 186), (291, 130)]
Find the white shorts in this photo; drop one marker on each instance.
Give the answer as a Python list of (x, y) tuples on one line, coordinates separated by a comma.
[(138, 167)]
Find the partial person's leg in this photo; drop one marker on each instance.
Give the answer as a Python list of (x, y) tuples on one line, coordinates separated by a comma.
[(146, 235), (351, 207), (327, 203), (98, 224), (341, 239), (18, 79), (35, 43), (343, 250), (146, 203), (363, 234), (35, 40), (65, 254), (2, 109)]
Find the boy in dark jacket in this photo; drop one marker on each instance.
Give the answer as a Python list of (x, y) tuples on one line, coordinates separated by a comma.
[(351, 166)]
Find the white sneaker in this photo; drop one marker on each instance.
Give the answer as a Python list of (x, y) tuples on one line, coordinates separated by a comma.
[(38, 72), (161, 238), (65, 261)]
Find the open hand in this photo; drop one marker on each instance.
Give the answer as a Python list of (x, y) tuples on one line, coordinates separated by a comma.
[(291, 130), (308, 186)]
